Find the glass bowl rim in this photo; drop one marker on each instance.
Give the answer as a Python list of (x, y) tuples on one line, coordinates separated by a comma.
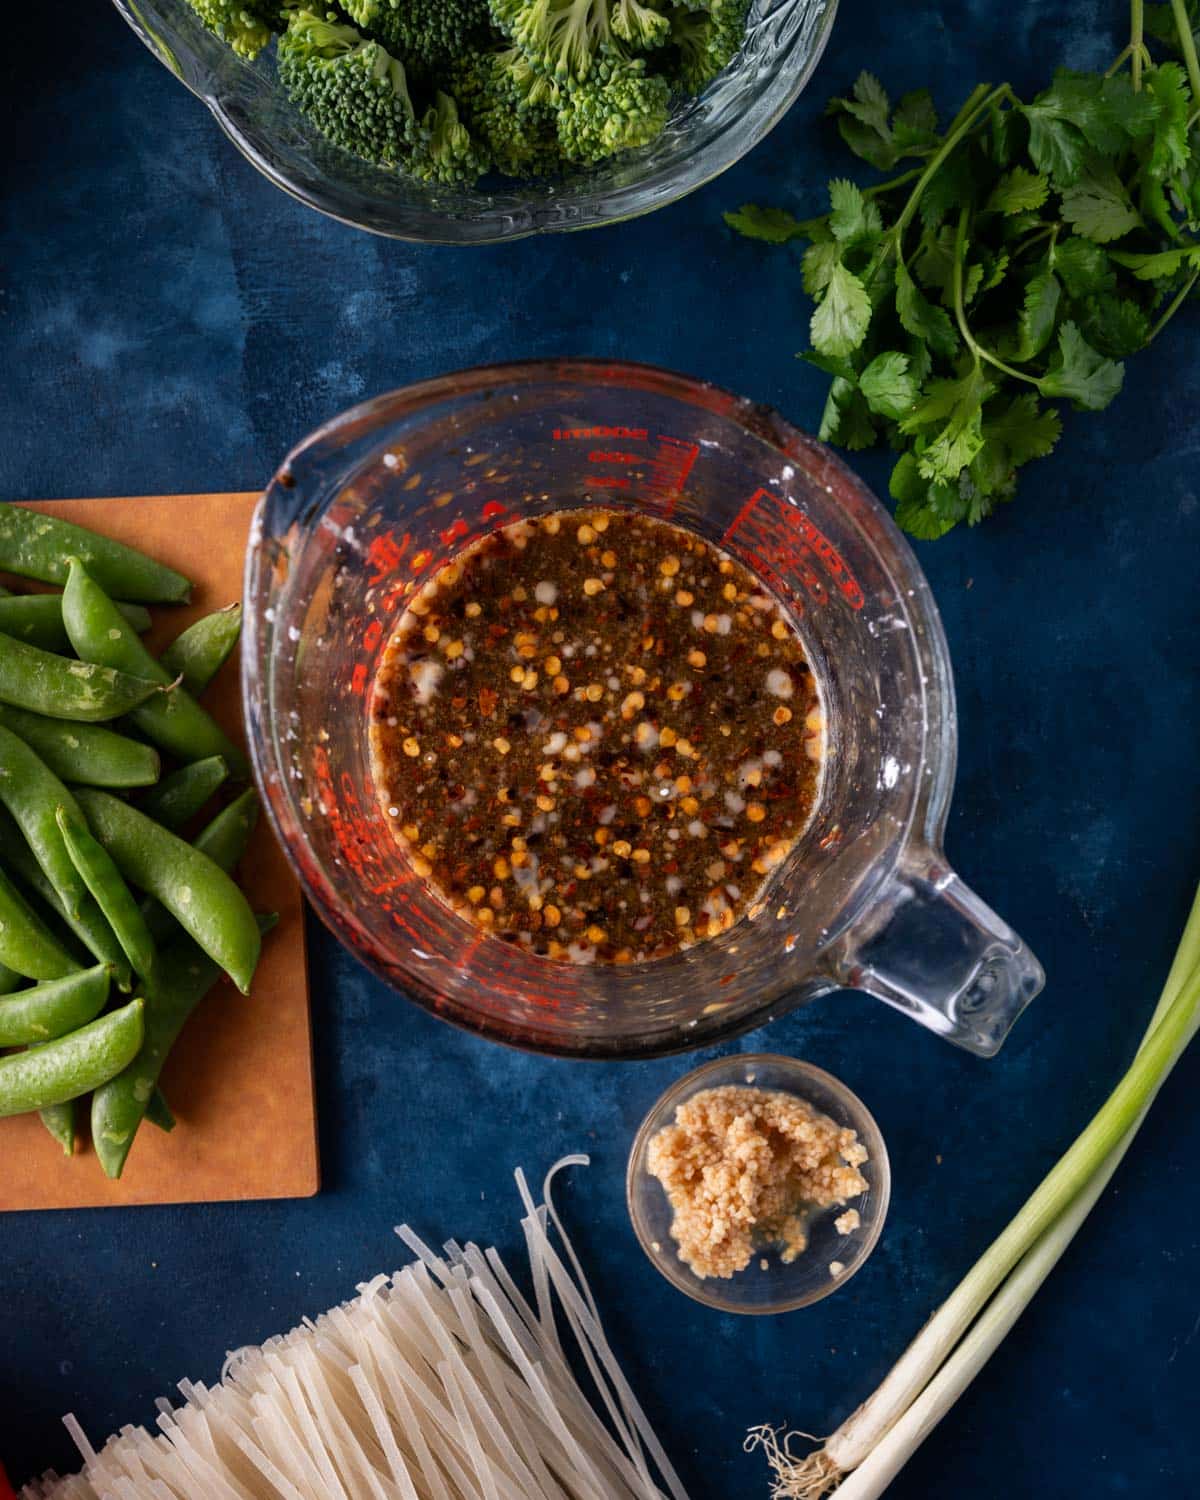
[(800, 1070), (609, 206)]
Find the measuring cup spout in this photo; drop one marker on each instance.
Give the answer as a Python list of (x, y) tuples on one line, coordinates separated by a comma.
[(934, 950)]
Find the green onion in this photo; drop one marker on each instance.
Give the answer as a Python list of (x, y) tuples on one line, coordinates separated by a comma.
[(866, 1453)]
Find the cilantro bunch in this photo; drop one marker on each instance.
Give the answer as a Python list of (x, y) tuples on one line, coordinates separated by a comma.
[(1031, 249)]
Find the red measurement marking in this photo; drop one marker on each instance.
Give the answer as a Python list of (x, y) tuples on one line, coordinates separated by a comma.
[(454, 531), (493, 508), (384, 554), (606, 482), (585, 434), (358, 678), (669, 471), (789, 545), (372, 635)]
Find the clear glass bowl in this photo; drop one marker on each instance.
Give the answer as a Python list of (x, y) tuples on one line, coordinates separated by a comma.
[(784, 41), (767, 1285)]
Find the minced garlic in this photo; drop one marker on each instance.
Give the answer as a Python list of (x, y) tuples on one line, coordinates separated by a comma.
[(743, 1168)]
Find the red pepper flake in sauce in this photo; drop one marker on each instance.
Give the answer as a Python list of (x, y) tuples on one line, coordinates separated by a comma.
[(596, 736)]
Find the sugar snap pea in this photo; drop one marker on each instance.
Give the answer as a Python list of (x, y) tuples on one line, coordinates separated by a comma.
[(26, 943), (224, 840), (37, 619), (59, 1120), (194, 889), (34, 545), (49, 1010), (10, 980), (158, 1112), (32, 793), (74, 1064), (87, 753), (180, 796), (110, 893), (187, 975), (62, 688), (199, 652), (88, 925), (174, 720)]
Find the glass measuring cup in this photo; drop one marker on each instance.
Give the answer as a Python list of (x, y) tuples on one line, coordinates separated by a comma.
[(373, 502)]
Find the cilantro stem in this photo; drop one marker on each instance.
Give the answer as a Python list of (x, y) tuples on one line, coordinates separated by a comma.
[(893, 182), (1175, 304), (978, 352), (1032, 238), (1137, 45), (1187, 45), (1119, 61), (980, 98)]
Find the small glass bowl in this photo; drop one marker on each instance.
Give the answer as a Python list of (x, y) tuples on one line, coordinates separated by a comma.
[(704, 136), (777, 1288)]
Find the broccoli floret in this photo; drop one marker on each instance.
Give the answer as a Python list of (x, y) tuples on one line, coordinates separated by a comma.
[(423, 32), (353, 91), (565, 36), (704, 41), (618, 106), (447, 151), (509, 105), (244, 26)]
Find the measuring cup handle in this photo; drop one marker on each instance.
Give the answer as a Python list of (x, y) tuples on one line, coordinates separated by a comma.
[(934, 950)]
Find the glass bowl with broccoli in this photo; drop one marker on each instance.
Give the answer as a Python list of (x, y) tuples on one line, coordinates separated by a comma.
[(469, 121)]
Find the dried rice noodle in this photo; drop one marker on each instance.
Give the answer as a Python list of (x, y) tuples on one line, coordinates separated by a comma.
[(440, 1382)]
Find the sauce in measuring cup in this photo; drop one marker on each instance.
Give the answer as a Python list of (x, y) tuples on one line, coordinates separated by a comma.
[(596, 735)]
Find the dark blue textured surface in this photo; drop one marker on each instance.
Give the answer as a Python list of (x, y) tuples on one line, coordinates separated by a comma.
[(172, 323)]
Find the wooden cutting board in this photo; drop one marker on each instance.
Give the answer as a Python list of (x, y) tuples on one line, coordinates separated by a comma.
[(240, 1077)]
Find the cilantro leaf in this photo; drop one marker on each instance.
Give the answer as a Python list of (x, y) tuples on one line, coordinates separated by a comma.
[(840, 321), (1023, 429), (774, 225), (1161, 265), (1167, 85), (952, 185), (1098, 204), (951, 415), (1021, 218), (993, 268), (1132, 112), (934, 263), (1018, 191), (1035, 321), (852, 217), (1079, 374), (863, 123), (820, 261), (838, 368), (914, 125), (926, 511), (1003, 130), (889, 388), (1055, 146), (921, 318), (920, 360), (847, 418), (1116, 326), (1083, 267)]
